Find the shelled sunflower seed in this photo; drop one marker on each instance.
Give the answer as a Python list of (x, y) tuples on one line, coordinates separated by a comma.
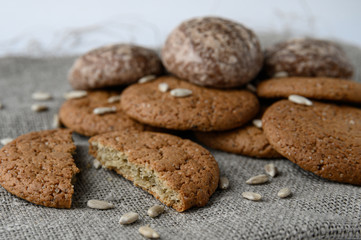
[(155, 211), (259, 179), (99, 204), (148, 232), (271, 169), (223, 183), (128, 218), (252, 196), (284, 192)]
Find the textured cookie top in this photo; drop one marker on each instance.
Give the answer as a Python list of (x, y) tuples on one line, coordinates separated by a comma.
[(213, 52), (323, 138), (113, 65), (307, 57), (183, 165), (77, 114), (317, 88), (248, 140), (204, 110), (39, 168)]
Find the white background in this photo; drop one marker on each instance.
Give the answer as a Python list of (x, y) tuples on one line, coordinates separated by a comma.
[(66, 27)]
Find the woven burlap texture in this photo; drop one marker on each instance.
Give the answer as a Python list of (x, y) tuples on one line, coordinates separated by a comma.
[(318, 209)]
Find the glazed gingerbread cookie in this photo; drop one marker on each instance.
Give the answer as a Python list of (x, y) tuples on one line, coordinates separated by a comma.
[(39, 168), (323, 138), (171, 103), (307, 57), (113, 65), (81, 116), (214, 52), (178, 172), (317, 88)]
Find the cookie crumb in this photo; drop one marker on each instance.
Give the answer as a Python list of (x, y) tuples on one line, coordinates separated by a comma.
[(96, 164)]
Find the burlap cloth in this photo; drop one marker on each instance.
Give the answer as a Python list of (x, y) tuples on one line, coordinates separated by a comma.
[(318, 209)]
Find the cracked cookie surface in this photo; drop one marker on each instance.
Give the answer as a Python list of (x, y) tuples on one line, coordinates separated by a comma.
[(205, 109), (323, 138), (77, 114), (317, 88), (39, 168), (248, 140)]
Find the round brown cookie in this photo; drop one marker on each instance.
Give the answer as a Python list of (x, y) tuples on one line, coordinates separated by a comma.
[(248, 140), (39, 168), (307, 57), (113, 65), (323, 138), (178, 172), (204, 110), (213, 52), (77, 114), (318, 88)]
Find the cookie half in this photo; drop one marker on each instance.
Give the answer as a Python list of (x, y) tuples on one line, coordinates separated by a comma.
[(203, 109), (78, 114), (318, 88), (307, 57), (178, 172), (39, 168), (323, 138), (248, 140), (113, 65)]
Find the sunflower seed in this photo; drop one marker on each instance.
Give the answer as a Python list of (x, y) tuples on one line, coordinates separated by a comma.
[(299, 100), (41, 96), (155, 211), (252, 196), (180, 92), (270, 169), (257, 123), (104, 110), (75, 94), (56, 121), (39, 107), (114, 99), (163, 87), (96, 164), (146, 79), (148, 232), (259, 179), (5, 141), (352, 122), (284, 192), (280, 74), (251, 87), (99, 204), (223, 183), (128, 218)]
